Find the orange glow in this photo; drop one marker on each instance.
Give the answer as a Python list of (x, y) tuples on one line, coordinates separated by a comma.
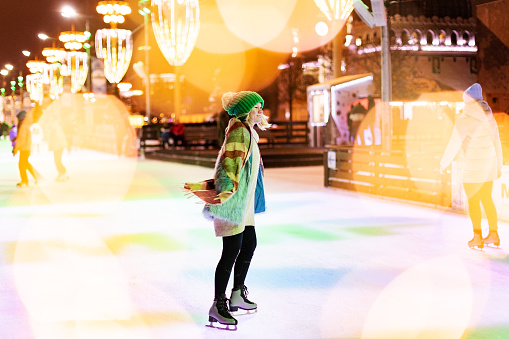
[(230, 72), (256, 22), (232, 27), (302, 22), (214, 36)]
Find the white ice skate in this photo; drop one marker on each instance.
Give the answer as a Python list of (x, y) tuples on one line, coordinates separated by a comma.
[(239, 304), (476, 243), (220, 317), (492, 239)]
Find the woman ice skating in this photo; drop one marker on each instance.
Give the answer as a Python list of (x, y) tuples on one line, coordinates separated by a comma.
[(476, 135), (23, 144), (232, 198)]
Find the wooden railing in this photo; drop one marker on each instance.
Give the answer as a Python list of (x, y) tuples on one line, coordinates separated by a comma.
[(397, 174), (206, 134), (286, 132)]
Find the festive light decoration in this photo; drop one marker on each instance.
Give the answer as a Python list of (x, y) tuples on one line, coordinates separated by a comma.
[(124, 86), (77, 68), (75, 62), (113, 11), (176, 24), (35, 86), (114, 46), (53, 54), (335, 9), (73, 40), (51, 76), (35, 66)]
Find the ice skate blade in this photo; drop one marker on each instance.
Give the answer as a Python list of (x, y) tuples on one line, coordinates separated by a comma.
[(475, 248), (497, 247), (242, 311), (219, 326)]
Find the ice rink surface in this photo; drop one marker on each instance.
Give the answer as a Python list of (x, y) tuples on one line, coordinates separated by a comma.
[(118, 251)]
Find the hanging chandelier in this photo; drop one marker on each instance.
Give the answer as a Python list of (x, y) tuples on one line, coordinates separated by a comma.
[(52, 77), (53, 54), (176, 24), (35, 86), (35, 66), (113, 45), (51, 74), (335, 9), (113, 11), (76, 66), (75, 62), (73, 40)]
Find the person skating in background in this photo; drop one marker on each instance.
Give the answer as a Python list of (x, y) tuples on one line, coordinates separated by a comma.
[(23, 144), (13, 133), (476, 137), (4, 130), (232, 198), (177, 133), (37, 136), (57, 143)]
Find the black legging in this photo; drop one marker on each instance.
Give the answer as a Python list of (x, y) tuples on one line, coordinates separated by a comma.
[(478, 193), (237, 249)]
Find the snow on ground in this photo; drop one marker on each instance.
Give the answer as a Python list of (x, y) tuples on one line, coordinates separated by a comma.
[(120, 252)]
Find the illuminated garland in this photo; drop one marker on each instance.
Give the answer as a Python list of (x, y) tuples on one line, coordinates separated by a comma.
[(115, 47), (77, 68), (176, 24)]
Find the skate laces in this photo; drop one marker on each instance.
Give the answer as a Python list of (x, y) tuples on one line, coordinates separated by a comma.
[(221, 306), (244, 293)]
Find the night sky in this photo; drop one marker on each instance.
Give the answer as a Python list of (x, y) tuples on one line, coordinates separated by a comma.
[(22, 20)]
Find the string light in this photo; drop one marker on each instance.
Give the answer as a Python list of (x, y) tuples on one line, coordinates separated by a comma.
[(114, 46), (176, 24)]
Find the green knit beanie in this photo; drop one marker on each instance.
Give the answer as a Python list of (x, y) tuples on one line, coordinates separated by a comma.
[(241, 103)]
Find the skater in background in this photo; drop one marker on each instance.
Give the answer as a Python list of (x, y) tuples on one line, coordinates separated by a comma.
[(23, 144), (37, 136), (232, 198), (57, 143), (13, 133), (476, 137)]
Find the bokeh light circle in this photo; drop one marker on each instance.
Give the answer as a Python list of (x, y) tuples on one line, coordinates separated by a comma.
[(321, 28), (256, 22), (222, 73)]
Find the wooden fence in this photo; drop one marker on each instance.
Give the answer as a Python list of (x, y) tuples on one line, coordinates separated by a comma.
[(397, 174)]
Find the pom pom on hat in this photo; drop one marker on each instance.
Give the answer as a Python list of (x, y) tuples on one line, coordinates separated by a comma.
[(473, 93), (241, 103)]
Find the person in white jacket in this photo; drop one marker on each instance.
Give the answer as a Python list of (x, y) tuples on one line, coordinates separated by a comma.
[(476, 138)]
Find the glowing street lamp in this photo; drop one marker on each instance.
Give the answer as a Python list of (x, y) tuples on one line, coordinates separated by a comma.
[(9, 67), (176, 24), (113, 45), (43, 36), (68, 12), (26, 53)]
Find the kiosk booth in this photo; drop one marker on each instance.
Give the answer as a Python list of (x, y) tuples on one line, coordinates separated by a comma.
[(328, 105)]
